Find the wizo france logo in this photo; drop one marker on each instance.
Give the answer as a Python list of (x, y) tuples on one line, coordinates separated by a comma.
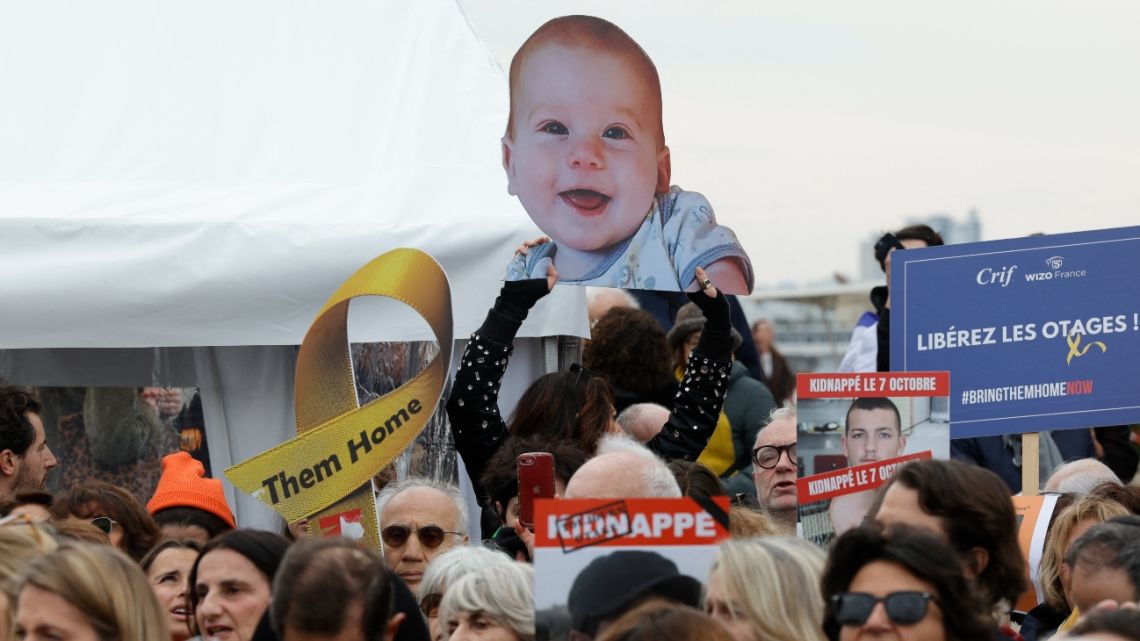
[(1054, 262)]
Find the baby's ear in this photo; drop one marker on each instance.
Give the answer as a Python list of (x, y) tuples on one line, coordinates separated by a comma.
[(508, 148), (664, 168)]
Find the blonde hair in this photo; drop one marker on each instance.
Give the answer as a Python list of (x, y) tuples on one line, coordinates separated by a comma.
[(19, 544), (504, 593), (106, 586), (1085, 508), (747, 523), (776, 581)]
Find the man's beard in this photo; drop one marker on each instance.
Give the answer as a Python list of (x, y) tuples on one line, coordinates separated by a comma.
[(25, 482)]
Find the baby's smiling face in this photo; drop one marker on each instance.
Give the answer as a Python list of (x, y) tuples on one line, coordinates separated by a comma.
[(584, 154)]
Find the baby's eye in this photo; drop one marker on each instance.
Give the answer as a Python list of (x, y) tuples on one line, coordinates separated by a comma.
[(616, 133), (555, 128)]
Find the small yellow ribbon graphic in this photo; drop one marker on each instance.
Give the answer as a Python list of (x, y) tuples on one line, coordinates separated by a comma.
[(1074, 341), (328, 467)]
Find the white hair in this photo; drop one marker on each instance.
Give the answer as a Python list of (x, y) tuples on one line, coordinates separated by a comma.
[(659, 481), (504, 593), (594, 293), (639, 420), (1080, 477), (447, 489), (446, 568)]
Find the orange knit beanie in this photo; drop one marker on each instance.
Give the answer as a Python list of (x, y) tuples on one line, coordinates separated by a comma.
[(182, 485)]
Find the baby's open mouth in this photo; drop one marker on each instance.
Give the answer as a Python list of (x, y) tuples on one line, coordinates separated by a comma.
[(585, 199)]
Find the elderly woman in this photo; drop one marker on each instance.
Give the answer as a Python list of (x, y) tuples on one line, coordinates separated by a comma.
[(167, 568), (87, 592), (231, 584), (495, 604), (445, 570), (767, 589), (906, 585)]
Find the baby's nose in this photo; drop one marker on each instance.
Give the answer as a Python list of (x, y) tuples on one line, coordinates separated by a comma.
[(586, 153)]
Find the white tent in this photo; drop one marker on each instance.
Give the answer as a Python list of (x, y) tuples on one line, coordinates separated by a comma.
[(182, 185)]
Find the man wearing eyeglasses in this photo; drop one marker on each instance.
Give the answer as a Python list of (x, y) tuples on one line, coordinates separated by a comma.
[(25, 457), (419, 518), (774, 468)]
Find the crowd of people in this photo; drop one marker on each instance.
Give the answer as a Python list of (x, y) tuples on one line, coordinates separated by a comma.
[(937, 557)]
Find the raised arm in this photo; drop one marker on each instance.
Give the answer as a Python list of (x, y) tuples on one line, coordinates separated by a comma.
[(700, 395), (473, 406)]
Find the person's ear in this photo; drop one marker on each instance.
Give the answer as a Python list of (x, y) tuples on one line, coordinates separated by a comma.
[(466, 539), (394, 625), (902, 443), (979, 559), (508, 164), (9, 461), (664, 170)]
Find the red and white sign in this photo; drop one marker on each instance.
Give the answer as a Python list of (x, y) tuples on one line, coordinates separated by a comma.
[(851, 385)]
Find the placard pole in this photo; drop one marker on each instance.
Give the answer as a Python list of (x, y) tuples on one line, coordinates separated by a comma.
[(1030, 464)]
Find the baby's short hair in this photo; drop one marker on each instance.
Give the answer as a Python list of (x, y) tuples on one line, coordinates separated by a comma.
[(588, 32)]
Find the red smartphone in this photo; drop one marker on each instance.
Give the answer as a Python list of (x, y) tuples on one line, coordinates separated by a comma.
[(536, 481)]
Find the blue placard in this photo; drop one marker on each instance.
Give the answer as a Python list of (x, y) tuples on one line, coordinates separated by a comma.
[(1038, 333)]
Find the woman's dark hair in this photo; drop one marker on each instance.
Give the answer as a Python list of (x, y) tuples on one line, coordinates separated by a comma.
[(924, 233), (964, 616), (976, 512), (628, 347), (211, 523), (97, 498), (168, 544), (500, 480), (263, 549), (696, 479), (661, 620), (1123, 622), (574, 406)]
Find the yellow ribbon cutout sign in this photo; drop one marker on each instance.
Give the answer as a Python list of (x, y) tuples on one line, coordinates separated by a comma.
[(341, 445), (1074, 341)]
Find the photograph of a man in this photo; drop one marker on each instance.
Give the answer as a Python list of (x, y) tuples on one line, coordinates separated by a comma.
[(872, 431)]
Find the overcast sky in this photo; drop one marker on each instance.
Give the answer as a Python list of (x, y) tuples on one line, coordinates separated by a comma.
[(812, 125)]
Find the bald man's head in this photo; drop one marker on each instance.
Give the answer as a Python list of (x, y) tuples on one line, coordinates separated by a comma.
[(622, 469)]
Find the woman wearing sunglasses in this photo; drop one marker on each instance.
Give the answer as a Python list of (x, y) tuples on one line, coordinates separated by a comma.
[(231, 585), (113, 510), (907, 586)]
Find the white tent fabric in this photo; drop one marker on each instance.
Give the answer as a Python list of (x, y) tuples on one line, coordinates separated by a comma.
[(182, 185), (207, 173)]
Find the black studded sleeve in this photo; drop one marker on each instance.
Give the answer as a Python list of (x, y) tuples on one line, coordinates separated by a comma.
[(700, 395), (473, 405)]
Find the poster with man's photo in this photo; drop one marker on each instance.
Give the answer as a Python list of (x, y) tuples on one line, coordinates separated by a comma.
[(854, 430)]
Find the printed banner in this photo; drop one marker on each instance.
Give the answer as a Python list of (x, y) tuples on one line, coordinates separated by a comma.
[(326, 470), (855, 430), (571, 533), (1039, 333)]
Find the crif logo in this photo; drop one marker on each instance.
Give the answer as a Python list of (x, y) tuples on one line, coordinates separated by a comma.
[(1054, 262), (991, 276)]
